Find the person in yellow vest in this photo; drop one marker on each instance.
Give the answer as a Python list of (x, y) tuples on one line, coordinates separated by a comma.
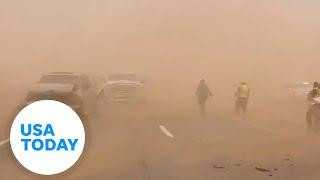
[(242, 94)]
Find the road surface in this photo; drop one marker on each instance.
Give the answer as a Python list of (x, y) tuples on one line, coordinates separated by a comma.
[(138, 143)]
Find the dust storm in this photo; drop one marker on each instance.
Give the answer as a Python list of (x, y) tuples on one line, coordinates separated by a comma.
[(172, 45)]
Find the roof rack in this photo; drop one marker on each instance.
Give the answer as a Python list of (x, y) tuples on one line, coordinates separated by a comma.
[(61, 73)]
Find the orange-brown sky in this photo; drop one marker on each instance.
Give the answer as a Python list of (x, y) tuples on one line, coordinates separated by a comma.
[(168, 41), (248, 36), (173, 43)]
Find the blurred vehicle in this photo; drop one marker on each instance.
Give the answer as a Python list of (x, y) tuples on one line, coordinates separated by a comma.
[(124, 87), (59, 92), (80, 82), (300, 91), (81, 86)]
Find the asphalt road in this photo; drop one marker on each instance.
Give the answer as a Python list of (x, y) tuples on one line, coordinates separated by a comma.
[(125, 142)]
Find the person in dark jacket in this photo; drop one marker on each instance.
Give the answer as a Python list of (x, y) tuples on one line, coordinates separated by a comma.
[(203, 93)]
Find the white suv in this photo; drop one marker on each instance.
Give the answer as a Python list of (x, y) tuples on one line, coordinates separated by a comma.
[(124, 87)]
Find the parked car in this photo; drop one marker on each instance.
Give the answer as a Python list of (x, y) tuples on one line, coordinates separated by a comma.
[(124, 87), (82, 87), (59, 92)]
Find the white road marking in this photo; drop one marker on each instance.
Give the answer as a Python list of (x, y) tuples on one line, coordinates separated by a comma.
[(165, 131), (4, 142)]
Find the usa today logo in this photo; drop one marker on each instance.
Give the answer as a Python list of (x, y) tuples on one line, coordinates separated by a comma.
[(47, 137)]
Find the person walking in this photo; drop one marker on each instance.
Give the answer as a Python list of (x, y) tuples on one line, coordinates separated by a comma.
[(203, 93), (315, 92), (242, 96), (313, 116)]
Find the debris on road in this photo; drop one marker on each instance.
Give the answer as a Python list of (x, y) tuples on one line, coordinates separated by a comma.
[(218, 167), (262, 169)]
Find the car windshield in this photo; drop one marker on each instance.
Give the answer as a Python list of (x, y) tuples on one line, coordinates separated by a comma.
[(67, 98), (60, 79), (117, 77)]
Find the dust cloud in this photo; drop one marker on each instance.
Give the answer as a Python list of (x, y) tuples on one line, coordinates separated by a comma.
[(172, 44)]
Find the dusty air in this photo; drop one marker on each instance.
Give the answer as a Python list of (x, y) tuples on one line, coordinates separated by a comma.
[(168, 90)]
